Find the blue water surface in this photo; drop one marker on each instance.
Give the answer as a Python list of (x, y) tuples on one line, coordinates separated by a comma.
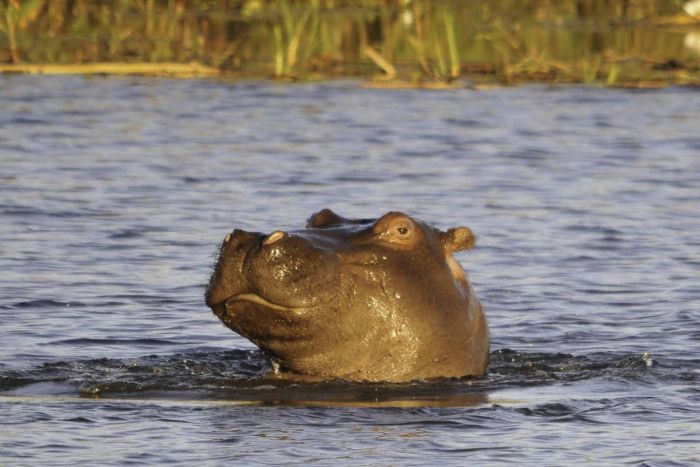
[(115, 193)]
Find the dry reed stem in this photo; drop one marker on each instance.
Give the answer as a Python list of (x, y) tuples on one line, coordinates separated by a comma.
[(380, 61), (169, 69)]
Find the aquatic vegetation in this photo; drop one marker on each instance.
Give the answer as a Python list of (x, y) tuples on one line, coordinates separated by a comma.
[(589, 41)]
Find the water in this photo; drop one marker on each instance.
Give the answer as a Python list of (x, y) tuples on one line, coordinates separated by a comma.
[(114, 194)]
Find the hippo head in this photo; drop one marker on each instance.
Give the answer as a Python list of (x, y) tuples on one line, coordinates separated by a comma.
[(359, 299)]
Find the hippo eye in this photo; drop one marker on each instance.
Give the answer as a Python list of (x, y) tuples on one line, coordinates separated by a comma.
[(403, 232), (398, 230)]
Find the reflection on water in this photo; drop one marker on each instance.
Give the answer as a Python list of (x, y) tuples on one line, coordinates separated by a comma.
[(114, 194)]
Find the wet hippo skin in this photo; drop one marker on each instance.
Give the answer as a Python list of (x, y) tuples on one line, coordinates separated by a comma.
[(358, 299)]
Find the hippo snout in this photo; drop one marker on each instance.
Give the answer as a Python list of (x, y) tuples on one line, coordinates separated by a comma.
[(229, 276), (290, 270), (283, 268)]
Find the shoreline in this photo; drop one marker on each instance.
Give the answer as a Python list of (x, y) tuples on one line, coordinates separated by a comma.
[(660, 75)]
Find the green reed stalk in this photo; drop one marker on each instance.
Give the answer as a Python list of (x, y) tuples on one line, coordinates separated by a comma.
[(279, 50), (452, 44)]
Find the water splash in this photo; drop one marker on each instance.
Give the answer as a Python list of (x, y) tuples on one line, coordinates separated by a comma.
[(248, 376)]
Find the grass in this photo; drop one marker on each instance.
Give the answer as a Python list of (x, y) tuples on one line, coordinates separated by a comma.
[(418, 41)]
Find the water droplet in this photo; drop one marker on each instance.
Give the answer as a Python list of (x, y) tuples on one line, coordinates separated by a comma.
[(397, 295)]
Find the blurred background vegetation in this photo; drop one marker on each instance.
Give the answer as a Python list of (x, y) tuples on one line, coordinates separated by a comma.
[(618, 42)]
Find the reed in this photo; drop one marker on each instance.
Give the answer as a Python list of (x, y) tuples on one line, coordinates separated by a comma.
[(588, 41), (452, 44)]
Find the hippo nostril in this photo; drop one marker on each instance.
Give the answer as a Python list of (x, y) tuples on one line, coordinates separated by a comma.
[(274, 237), (235, 238)]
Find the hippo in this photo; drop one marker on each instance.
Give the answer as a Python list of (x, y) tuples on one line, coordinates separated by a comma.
[(367, 300)]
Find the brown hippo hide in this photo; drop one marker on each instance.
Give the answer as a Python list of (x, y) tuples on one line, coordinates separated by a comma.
[(358, 299)]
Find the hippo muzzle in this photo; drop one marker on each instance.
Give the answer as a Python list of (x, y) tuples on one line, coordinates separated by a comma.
[(358, 299), (286, 270)]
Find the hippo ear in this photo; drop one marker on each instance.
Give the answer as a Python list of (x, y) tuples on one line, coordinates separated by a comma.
[(327, 218), (458, 239), (324, 218)]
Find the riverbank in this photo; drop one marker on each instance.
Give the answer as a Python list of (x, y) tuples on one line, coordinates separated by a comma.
[(390, 44)]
